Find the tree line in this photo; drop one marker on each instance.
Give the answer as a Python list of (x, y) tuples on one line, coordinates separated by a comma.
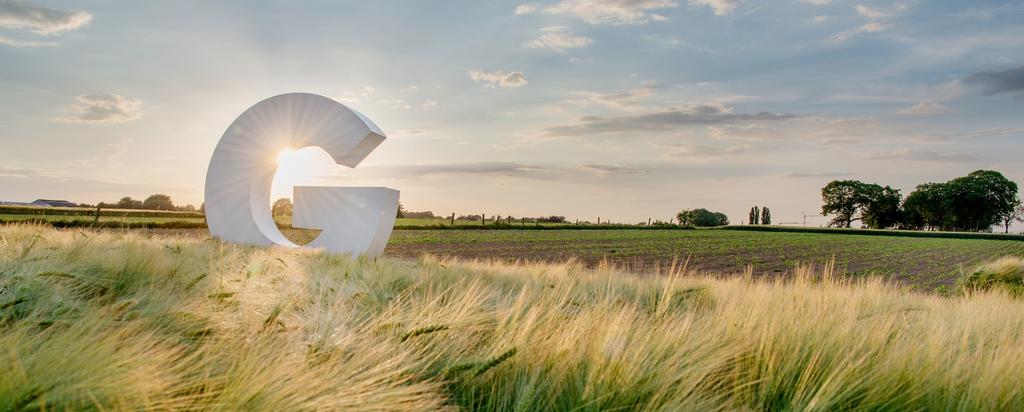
[(974, 203), (156, 201)]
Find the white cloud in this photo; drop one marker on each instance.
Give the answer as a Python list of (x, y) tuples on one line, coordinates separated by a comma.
[(746, 132), (816, 2), (921, 156), (925, 108), (628, 100), (558, 38), (819, 19), (702, 152), (526, 8), (39, 19), (357, 96), (18, 43), (872, 12), (499, 78), (614, 12), (720, 7), (873, 27), (104, 108)]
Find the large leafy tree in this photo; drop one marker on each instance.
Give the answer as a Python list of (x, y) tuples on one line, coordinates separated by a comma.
[(128, 203), (979, 200), (158, 202), (925, 207), (851, 200), (1011, 215), (881, 207), (842, 199), (702, 218)]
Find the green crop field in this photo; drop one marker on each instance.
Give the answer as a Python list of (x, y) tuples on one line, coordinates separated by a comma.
[(925, 263)]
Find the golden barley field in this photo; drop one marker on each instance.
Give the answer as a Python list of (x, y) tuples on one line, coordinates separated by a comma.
[(117, 321)]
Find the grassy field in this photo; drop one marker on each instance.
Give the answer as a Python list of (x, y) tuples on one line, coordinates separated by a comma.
[(925, 263), (108, 320)]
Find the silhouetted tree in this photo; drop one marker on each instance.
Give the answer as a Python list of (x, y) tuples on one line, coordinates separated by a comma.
[(842, 198), (1011, 215), (401, 211), (158, 202), (702, 218), (978, 200), (881, 208), (128, 203), (766, 216), (925, 208)]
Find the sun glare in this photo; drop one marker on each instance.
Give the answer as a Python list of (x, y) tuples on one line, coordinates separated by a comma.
[(283, 156)]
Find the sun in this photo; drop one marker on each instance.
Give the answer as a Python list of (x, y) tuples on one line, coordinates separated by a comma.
[(284, 155)]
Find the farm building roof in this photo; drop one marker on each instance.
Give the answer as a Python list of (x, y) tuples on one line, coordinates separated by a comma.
[(53, 203)]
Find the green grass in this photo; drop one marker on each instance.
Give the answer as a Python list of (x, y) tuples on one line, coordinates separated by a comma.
[(117, 321)]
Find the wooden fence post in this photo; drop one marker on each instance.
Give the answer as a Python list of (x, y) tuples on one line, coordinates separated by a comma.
[(483, 219), (453, 218)]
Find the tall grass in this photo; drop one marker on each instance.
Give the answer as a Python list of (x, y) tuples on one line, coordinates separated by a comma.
[(104, 320)]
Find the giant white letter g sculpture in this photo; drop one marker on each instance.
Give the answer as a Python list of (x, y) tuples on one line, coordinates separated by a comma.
[(354, 220)]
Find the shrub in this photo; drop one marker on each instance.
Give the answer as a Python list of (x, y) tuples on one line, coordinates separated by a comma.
[(1005, 274)]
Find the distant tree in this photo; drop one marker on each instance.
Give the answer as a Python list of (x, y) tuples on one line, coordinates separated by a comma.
[(754, 215), (418, 215), (686, 218), (401, 211), (925, 207), (158, 202), (281, 207), (1011, 215), (978, 200), (881, 208), (702, 218), (187, 208), (128, 203), (842, 198), (551, 219), (202, 208), (766, 216)]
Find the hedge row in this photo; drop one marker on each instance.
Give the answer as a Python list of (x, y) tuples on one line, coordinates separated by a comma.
[(516, 226), (874, 232), (202, 225), (110, 224), (84, 211)]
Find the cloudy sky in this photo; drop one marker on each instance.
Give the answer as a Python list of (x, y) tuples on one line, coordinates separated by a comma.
[(624, 109)]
